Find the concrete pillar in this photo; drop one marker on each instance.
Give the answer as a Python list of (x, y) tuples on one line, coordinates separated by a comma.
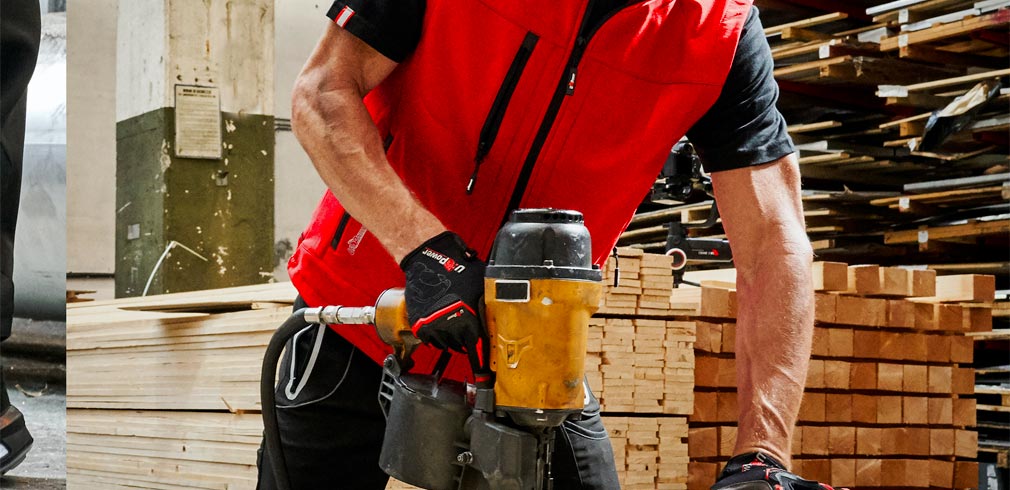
[(195, 144)]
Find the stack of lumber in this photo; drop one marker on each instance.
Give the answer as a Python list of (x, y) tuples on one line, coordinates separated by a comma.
[(859, 82), (163, 392), (888, 400), (640, 364), (159, 388)]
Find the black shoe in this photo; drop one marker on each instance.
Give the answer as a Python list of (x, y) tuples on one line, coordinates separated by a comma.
[(758, 471), (15, 441)]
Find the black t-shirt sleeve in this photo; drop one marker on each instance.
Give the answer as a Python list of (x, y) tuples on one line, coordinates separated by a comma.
[(391, 27), (743, 127)]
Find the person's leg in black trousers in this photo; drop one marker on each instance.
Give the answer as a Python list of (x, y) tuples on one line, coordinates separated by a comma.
[(332, 427), (20, 28)]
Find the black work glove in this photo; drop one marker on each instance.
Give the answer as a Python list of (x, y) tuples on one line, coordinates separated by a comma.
[(445, 288)]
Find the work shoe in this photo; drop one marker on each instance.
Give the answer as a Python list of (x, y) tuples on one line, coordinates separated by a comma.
[(15, 441), (758, 471)]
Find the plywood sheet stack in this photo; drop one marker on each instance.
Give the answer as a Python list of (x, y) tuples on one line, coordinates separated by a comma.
[(159, 388), (640, 364), (888, 400)]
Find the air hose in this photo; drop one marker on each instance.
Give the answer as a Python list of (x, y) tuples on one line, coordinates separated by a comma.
[(268, 379)]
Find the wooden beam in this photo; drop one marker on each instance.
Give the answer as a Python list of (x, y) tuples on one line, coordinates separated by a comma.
[(813, 21), (945, 31)]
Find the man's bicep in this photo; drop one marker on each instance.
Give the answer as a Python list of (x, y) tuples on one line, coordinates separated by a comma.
[(343, 61)]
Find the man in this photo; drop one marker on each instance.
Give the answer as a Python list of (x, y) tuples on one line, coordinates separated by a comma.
[(424, 118), (20, 29)]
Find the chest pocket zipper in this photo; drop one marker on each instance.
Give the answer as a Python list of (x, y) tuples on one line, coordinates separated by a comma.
[(489, 131), (340, 230)]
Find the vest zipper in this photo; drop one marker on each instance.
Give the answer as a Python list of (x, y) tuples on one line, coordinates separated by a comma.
[(565, 87), (340, 230), (489, 131)]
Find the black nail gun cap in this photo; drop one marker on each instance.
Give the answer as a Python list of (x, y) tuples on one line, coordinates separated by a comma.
[(543, 243)]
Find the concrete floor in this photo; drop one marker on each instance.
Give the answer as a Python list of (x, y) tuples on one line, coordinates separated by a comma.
[(36, 382)]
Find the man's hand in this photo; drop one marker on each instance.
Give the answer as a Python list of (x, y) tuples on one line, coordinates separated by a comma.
[(445, 285)]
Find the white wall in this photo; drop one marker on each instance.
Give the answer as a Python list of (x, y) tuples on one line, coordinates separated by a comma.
[(92, 120), (299, 24), (91, 136)]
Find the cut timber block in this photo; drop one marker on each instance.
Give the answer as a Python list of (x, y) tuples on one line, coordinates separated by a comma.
[(815, 374), (841, 440), (940, 411), (966, 444), (978, 319), (964, 413), (941, 473), (824, 307), (941, 442), (840, 342), (718, 302), (820, 345), (703, 442), (864, 280), (863, 376), (868, 440), (864, 409), (940, 379), (830, 276), (705, 407), (853, 310), (915, 410), (889, 377), (866, 344), (917, 473), (900, 313), (962, 381), (892, 346), (938, 348), (838, 407), (843, 471), (962, 349), (969, 288), (727, 409), (727, 441), (815, 440), (889, 410), (836, 374), (700, 476), (965, 474), (914, 379), (894, 281), (812, 409), (868, 472), (922, 282)]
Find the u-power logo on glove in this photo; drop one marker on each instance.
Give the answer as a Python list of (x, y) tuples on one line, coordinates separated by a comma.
[(449, 264)]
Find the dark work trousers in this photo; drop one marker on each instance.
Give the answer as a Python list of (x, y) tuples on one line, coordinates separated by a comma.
[(20, 30), (332, 427)]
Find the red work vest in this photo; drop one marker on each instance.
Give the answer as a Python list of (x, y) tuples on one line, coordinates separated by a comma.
[(590, 118)]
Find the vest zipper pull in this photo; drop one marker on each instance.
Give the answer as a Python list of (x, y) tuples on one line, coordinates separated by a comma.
[(473, 178), (570, 89)]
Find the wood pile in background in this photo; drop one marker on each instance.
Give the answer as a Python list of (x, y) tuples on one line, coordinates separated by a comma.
[(858, 82), (889, 394)]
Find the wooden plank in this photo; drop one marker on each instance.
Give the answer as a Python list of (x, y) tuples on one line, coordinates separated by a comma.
[(946, 31), (922, 236), (813, 21), (904, 90)]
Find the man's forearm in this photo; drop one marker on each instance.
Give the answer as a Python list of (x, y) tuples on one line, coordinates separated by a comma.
[(343, 143), (774, 334)]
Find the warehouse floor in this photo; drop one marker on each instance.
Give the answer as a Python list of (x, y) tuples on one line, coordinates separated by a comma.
[(35, 369)]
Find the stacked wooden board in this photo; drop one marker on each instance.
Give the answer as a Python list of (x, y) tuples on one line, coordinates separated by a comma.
[(159, 389), (888, 401)]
